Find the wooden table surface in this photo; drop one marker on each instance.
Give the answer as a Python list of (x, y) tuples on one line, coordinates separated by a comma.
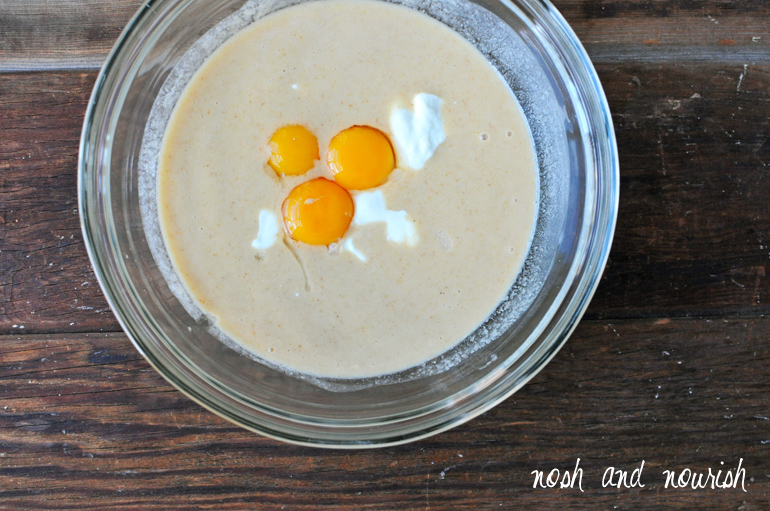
[(671, 364)]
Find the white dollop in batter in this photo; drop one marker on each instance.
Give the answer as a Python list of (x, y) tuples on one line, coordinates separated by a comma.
[(371, 208), (418, 134), (268, 231), (350, 247)]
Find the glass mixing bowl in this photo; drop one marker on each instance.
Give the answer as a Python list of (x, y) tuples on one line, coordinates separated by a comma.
[(539, 56)]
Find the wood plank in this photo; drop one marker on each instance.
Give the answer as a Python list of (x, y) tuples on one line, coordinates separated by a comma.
[(46, 281), (85, 423), (67, 34), (692, 231), (625, 31)]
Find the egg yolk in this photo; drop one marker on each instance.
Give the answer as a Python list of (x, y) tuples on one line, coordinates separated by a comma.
[(317, 212), (293, 151), (360, 157)]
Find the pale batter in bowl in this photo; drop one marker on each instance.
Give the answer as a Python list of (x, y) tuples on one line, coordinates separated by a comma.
[(328, 66)]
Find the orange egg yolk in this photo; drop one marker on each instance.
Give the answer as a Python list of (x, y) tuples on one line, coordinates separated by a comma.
[(293, 151), (318, 212), (360, 157)]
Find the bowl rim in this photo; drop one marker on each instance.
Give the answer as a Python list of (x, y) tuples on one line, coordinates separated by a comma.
[(594, 264)]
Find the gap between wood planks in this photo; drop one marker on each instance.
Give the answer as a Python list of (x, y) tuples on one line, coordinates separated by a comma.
[(602, 53), (609, 323)]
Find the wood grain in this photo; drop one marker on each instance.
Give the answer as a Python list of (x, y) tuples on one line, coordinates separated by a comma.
[(692, 236), (625, 31), (85, 423), (66, 34), (670, 366), (692, 233), (46, 281), (76, 34)]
